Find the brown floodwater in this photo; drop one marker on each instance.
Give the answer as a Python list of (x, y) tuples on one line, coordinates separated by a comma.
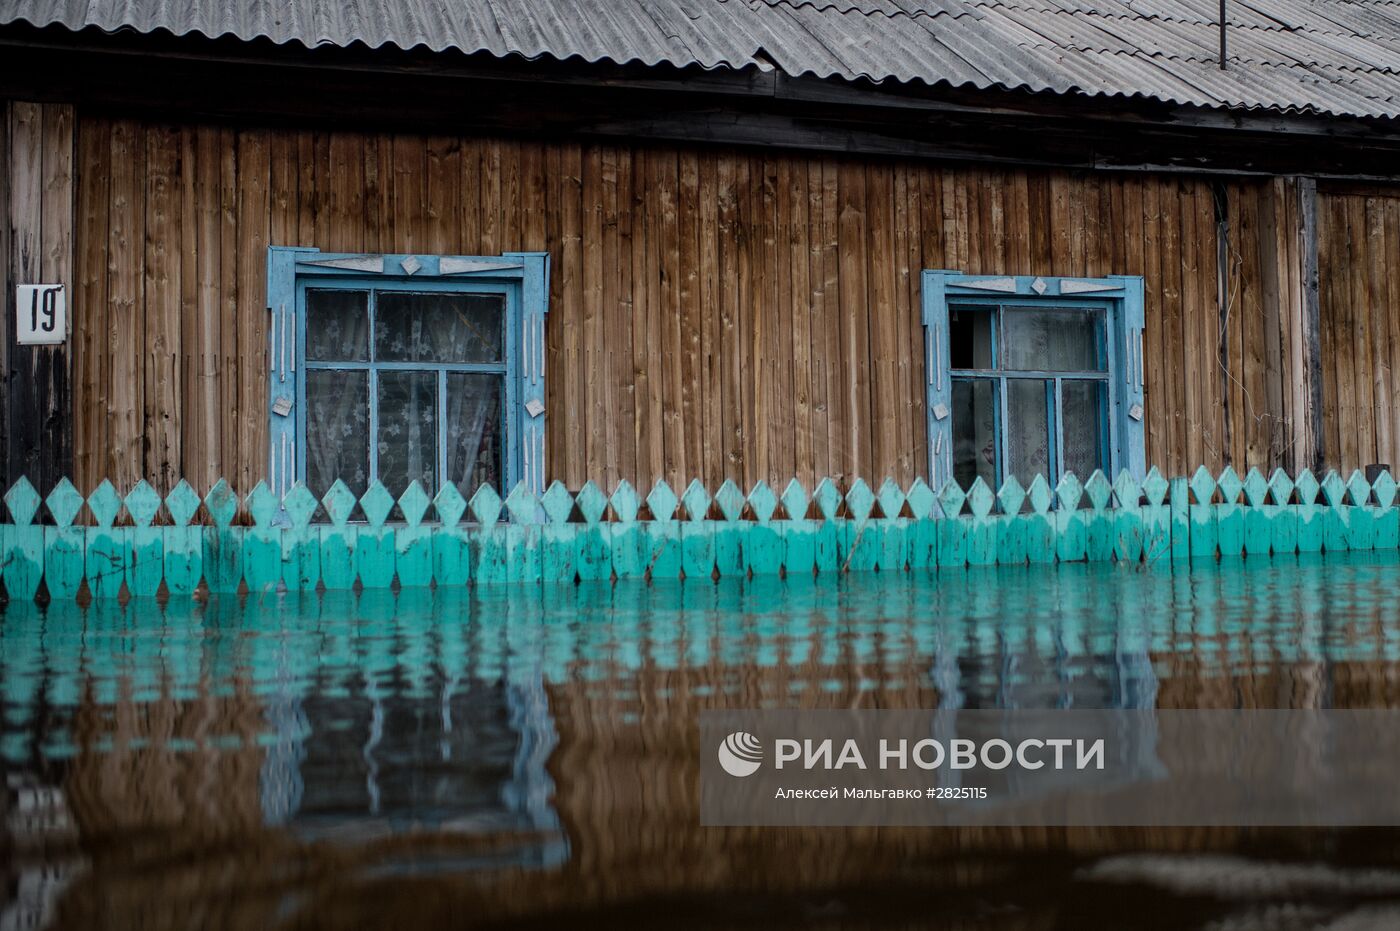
[(528, 756)]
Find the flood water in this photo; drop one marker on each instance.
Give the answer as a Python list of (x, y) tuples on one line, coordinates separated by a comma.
[(528, 757)]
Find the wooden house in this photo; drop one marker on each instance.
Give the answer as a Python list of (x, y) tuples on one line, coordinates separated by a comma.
[(515, 240)]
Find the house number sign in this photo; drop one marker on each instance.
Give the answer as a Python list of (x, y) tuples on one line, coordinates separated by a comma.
[(41, 314)]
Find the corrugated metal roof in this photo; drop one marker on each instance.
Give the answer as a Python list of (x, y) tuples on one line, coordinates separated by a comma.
[(1337, 57)]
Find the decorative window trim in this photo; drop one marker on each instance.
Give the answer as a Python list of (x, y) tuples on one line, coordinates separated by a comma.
[(523, 275), (1123, 294)]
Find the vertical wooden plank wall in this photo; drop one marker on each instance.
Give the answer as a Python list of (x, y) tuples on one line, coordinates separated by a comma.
[(715, 313), (37, 212), (1359, 296)]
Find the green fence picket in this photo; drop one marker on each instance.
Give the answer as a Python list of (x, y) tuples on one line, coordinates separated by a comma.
[(413, 542), (697, 533), (1099, 523), (923, 525), (528, 538), (662, 534), (799, 534), (1386, 517), (63, 543), (301, 542), (861, 542), (146, 567), (627, 541), (184, 554), (1127, 519), (1203, 531), (262, 542), (1258, 515), (763, 543), (375, 542), (1040, 522), (1071, 529), (1310, 523), (1283, 515), (1336, 516), (522, 535), (829, 551), (558, 543), (593, 549), (1011, 525), (1361, 530), (223, 542), (107, 545), (729, 534), (893, 527), (336, 540)]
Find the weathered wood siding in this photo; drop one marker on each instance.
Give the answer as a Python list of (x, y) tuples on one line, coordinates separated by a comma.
[(36, 246), (716, 313), (1359, 259)]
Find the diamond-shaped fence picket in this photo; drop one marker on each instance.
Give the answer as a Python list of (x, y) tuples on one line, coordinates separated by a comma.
[(137, 542)]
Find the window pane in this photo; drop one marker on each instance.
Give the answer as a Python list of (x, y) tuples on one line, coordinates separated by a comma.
[(974, 431), (1027, 429), (1082, 419), (408, 430), (969, 338), (337, 326), (439, 327), (1051, 340), (337, 430), (474, 431)]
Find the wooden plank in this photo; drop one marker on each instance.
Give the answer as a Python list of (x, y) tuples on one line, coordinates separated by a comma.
[(825, 335), (634, 372), (250, 415), (410, 195), (126, 324), (342, 195), (879, 317), (799, 314), (1339, 323), (564, 323), (750, 284), (711, 347), (1311, 364), (162, 409), (202, 333), (89, 311), (1388, 301), (1373, 261), (225, 155), (664, 179), (690, 314), (590, 371), (614, 323), (855, 296), (730, 362), (1360, 335)]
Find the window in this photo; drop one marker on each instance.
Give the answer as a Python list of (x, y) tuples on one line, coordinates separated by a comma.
[(1033, 376), (406, 368)]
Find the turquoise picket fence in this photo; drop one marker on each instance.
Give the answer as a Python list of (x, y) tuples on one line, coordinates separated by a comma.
[(171, 545)]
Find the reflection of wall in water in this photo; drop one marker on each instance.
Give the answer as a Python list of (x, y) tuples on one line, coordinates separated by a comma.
[(354, 760)]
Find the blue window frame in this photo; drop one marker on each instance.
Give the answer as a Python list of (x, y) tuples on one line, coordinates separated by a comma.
[(1033, 375), (406, 367)]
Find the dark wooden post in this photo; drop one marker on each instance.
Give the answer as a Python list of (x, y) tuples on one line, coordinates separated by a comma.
[(39, 202)]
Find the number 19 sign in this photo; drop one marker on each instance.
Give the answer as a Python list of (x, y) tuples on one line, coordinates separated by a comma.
[(41, 314)]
